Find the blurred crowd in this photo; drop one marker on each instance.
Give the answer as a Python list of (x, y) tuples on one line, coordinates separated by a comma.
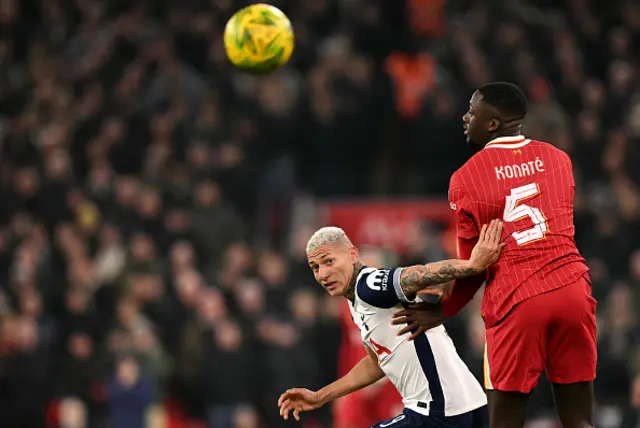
[(150, 270)]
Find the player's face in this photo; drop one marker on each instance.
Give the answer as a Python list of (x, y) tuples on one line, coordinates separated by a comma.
[(478, 122), (332, 267)]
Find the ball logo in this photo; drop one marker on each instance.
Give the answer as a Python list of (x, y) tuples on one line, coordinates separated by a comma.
[(453, 206), (377, 280)]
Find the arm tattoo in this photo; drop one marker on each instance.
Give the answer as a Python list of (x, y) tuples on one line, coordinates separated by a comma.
[(415, 278)]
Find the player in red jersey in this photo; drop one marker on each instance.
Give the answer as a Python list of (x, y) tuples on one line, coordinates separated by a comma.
[(537, 306)]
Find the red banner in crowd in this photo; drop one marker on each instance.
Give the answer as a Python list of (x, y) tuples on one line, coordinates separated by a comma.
[(385, 223)]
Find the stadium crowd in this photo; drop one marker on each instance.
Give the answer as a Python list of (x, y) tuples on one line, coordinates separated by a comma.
[(147, 276)]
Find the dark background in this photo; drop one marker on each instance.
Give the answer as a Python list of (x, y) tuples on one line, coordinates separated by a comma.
[(147, 190)]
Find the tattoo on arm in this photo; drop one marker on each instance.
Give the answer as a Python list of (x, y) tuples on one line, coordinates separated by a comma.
[(415, 278)]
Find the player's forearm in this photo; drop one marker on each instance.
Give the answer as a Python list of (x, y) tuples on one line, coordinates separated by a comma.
[(461, 293), (415, 278), (363, 374), (464, 289)]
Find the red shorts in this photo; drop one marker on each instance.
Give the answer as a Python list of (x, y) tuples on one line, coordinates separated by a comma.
[(554, 331)]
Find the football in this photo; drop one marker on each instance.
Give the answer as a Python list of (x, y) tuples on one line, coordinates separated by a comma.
[(259, 38)]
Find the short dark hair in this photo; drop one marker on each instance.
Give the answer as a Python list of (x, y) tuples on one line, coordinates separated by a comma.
[(508, 98)]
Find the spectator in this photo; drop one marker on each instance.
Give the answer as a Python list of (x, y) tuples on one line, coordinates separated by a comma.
[(129, 394), (149, 191), (230, 367)]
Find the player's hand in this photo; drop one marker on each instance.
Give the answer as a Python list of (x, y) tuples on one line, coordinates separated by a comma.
[(298, 400), (489, 246), (419, 318)]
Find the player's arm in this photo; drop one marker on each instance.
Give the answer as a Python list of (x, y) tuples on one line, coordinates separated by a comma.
[(385, 288), (419, 318), (363, 374), (450, 299), (463, 289), (413, 279)]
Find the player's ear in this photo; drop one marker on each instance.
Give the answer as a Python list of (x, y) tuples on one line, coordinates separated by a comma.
[(494, 125), (353, 254)]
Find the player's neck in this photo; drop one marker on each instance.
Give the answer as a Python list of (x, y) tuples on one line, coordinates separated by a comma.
[(509, 132), (351, 290)]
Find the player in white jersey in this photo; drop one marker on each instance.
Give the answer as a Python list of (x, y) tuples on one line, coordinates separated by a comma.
[(437, 388)]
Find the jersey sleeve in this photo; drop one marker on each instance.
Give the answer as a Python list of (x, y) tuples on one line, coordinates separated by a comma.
[(461, 203), (380, 287), (463, 290)]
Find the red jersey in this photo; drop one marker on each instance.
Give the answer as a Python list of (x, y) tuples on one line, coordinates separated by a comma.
[(529, 185)]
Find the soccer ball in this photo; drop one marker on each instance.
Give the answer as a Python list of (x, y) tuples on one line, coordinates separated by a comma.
[(259, 38)]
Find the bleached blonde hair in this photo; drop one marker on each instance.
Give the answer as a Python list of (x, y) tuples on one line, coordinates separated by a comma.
[(327, 235)]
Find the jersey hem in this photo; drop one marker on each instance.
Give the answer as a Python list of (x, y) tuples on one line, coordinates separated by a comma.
[(470, 408), (492, 321), (447, 414)]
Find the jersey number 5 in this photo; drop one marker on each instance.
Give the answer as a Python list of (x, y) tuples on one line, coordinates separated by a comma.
[(514, 210)]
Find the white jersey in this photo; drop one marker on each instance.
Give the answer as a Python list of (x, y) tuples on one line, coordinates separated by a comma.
[(428, 372)]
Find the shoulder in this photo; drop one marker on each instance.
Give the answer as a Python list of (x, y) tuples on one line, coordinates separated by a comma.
[(476, 166), (375, 287), (550, 148), (374, 279), (560, 154), (459, 187), (560, 157), (458, 179)]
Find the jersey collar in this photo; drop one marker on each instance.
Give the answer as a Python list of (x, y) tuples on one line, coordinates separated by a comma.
[(513, 142)]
